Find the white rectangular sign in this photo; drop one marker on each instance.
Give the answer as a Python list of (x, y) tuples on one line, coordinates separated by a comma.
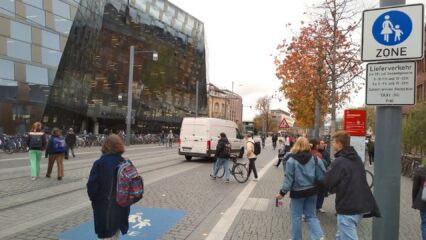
[(391, 83), (393, 33)]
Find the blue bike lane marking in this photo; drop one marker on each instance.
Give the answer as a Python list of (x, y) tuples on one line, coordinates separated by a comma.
[(144, 223)]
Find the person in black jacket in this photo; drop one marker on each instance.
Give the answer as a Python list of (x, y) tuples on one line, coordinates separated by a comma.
[(346, 177), (418, 180), (109, 217), (71, 139), (223, 153)]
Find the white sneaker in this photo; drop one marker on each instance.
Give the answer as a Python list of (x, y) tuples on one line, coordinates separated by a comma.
[(321, 210), (34, 178), (255, 179)]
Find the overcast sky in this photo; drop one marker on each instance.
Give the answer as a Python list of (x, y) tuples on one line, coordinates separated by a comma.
[(241, 37)]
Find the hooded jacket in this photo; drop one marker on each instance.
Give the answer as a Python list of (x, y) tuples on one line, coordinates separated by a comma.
[(418, 179), (220, 148), (346, 177), (301, 172)]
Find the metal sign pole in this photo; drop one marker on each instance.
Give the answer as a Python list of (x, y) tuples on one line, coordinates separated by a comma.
[(387, 165)]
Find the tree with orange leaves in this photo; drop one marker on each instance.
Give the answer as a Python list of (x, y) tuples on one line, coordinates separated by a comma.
[(318, 68)]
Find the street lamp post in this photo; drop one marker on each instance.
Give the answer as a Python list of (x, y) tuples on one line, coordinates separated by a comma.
[(130, 88)]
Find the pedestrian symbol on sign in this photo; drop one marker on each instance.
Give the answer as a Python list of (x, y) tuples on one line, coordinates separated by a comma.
[(392, 28)]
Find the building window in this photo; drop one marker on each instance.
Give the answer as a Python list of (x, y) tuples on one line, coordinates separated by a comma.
[(50, 40), (8, 7), (50, 57), (18, 49), (35, 3), (7, 69), (36, 75), (61, 9), (20, 31), (216, 108), (62, 25), (35, 15)]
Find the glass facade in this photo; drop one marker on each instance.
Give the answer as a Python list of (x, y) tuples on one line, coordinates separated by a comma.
[(71, 69)]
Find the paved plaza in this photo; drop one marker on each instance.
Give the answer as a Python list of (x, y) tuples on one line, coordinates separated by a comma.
[(45, 208)]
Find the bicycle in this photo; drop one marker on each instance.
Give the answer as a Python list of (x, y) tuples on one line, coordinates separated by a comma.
[(238, 170)]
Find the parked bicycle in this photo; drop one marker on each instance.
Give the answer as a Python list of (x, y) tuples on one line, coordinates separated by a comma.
[(238, 170)]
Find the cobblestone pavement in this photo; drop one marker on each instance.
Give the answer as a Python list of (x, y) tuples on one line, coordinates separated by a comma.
[(274, 223), (174, 183)]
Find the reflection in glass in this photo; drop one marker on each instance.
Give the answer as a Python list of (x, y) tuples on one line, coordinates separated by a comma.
[(18, 49)]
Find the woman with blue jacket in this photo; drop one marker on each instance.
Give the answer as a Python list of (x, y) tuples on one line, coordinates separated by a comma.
[(110, 218), (302, 171)]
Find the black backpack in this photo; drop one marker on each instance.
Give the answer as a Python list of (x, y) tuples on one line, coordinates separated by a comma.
[(227, 149), (36, 141), (257, 148)]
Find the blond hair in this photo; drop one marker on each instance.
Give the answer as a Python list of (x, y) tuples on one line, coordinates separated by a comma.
[(301, 145), (36, 127)]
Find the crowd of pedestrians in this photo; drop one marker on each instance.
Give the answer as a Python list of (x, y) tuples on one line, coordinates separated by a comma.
[(310, 176)]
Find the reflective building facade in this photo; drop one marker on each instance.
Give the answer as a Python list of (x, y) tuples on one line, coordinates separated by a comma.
[(66, 63)]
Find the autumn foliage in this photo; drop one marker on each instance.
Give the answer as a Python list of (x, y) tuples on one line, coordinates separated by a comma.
[(318, 67), (303, 74)]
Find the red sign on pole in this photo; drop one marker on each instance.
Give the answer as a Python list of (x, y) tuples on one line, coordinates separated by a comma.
[(354, 122), (283, 124)]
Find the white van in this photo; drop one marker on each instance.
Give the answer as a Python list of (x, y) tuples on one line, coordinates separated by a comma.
[(199, 136)]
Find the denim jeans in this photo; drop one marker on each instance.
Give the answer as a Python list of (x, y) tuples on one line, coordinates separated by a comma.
[(219, 163), (305, 206), (252, 167), (423, 218), (347, 226)]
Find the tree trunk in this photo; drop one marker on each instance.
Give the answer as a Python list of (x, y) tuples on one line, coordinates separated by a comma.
[(317, 123)]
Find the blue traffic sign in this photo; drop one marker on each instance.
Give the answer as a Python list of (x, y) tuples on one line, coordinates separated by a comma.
[(392, 28), (144, 223)]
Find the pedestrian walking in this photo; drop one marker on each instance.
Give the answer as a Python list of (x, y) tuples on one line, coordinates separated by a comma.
[(251, 156), (274, 139), (36, 142), (56, 151), (370, 149), (419, 180), (162, 137), (223, 153), (315, 145), (70, 140), (109, 217), (322, 148), (346, 177), (302, 171), (170, 138), (263, 138)]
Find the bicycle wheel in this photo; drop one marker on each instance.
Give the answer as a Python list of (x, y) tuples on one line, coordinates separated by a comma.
[(240, 172), (220, 172), (370, 178)]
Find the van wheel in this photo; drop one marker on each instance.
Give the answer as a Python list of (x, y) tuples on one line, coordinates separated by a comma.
[(241, 153), (188, 158)]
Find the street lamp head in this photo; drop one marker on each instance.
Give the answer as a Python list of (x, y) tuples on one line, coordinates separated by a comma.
[(155, 56)]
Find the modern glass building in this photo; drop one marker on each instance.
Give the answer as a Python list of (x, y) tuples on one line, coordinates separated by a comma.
[(66, 63)]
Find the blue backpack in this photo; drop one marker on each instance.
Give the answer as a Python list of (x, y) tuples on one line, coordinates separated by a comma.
[(59, 145)]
